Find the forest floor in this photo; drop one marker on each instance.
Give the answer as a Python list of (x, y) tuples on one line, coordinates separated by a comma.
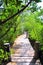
[(24, 54)]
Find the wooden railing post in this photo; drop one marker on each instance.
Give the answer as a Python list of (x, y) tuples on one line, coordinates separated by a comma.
[(36, 48)]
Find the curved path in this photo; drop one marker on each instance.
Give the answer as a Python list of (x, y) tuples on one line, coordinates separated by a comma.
[(24, 53)]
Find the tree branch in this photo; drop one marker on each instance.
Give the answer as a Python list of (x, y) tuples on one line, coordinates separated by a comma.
[(1, 37), (5, 32), (6, 20)]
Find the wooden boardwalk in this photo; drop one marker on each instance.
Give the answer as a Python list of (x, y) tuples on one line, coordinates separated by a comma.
[(24, 53)]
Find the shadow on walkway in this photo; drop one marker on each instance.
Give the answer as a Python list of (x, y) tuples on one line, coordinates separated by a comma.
[(35, 46), (33, 61)]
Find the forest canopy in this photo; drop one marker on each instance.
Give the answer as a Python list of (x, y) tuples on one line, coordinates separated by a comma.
[(12, 11)]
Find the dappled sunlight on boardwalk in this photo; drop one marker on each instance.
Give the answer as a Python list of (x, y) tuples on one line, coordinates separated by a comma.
[(24, 53)]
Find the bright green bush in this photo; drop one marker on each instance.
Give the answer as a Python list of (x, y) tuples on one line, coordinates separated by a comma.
[(4, 55)]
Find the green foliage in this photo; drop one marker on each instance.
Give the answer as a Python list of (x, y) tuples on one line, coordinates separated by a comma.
[(33, 6), (10, 7), (24, 21), (37, 0), (3, 55), (32, 24)]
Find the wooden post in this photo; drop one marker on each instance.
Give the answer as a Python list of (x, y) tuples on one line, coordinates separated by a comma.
[(36, 48)]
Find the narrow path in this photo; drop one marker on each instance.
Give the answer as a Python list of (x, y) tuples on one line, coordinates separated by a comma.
[(24, 53)]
